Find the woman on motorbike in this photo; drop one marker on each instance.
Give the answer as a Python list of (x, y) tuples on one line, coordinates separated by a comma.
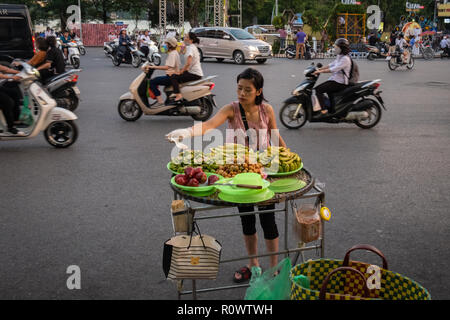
[(192, 69), (341, 68), (249, 112), (124, 39), (144, 41), (172, 66), (8, 103)]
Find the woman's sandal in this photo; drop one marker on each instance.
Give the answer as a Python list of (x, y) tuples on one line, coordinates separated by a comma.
[(245, 273)]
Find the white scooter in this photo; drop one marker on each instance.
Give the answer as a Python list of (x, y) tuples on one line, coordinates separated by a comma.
[(73, 57), (57, 123), (153, 53), (81, 46), (198, 100)]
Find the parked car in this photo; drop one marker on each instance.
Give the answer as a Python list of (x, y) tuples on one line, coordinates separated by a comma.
[(16, 37), (231, 43)]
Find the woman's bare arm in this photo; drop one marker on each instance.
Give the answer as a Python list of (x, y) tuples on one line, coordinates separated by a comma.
[(273, 125), (223, 115)]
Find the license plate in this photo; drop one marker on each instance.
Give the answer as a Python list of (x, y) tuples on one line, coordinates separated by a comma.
[(77, 91)]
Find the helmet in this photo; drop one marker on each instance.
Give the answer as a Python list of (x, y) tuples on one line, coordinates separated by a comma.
[(342, 43)]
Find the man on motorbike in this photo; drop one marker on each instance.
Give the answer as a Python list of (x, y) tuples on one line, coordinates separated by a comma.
[(9, 99), (65, 39), (341, 69), (54, 61), (402, 43), (124, 39)]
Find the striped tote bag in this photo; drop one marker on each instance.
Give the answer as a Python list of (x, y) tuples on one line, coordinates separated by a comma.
[(191, 257)]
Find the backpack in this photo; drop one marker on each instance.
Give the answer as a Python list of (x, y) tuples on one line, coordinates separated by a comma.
[(354, 73)]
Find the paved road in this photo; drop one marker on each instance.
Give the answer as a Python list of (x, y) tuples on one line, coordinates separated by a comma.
[(103, 204)]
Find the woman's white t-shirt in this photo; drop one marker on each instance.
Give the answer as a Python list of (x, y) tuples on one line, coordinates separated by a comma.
[(195, 67)]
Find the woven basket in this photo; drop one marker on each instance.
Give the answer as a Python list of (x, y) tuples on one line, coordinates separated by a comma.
[(347, 280)]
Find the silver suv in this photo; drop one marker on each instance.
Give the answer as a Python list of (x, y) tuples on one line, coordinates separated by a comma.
[(231, 43)]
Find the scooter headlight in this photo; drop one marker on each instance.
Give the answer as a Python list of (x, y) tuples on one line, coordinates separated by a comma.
[(297, 90)]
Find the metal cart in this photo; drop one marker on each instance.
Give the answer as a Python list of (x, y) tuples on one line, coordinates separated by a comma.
[(212, 202)]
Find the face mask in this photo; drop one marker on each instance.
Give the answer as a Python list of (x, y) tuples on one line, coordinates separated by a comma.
[(337, 50)]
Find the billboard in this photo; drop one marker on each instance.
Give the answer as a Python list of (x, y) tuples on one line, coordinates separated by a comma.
[(444, 10)]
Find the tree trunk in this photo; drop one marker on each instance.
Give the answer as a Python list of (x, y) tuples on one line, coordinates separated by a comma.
[(62, 17)]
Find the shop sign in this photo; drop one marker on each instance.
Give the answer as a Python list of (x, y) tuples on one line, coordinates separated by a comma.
[(444, 10)]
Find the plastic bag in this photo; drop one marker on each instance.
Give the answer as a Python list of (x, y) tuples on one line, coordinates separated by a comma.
[(266, 286), (315, 103), (25, 115)]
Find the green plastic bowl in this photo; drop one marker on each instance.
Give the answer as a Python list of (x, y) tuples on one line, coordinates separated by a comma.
[(202, 188)]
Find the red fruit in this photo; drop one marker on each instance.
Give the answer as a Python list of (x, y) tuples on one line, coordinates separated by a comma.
[(189, 171), (212, 179), (201, 177), (197, 171), (193, 183), (181, 180)]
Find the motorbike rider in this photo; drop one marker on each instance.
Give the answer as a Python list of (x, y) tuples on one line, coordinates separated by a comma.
[(402, 43), (8, 99), (39, 57), (192, 70), (173, 64), (112, 36), (65, 39), (54, 61), (341, 69), (124, 39), (144, 41)]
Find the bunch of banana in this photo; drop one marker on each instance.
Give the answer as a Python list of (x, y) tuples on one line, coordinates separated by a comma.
[(231, 153), (286, 160)]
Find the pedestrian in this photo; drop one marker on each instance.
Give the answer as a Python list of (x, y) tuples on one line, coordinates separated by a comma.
[(249, 113), (301, 39), (283, 35)]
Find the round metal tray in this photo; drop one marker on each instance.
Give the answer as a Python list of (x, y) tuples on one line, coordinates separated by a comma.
[(278, 198)]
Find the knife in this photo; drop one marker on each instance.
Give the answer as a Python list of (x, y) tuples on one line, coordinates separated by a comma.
[(239, 185)]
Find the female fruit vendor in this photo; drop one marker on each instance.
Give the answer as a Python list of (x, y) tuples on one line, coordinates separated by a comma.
[(249, 111)]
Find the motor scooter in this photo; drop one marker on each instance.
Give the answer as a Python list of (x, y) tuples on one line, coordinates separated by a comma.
[(377, 52), (395, 60), (81, 46), (153, 55), (73, 56), (63, 88), (131, 56), (108, 47), (198, 101), (359, 104), (56, 123)]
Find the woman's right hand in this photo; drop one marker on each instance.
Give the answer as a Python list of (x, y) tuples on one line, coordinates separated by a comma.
[(179, 134)]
